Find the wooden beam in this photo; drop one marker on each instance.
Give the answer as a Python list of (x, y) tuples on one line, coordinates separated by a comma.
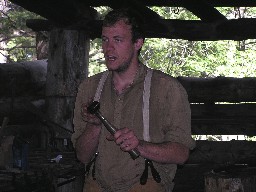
[(223, 152), (193, 30), (144, 13), (141, 9), (235, 29), (243, 28), (220, 89), (223, 126), (166, 3), (66, 13), (180, 3), (60, 12), (224, 119), (219, 120), (204, 11)]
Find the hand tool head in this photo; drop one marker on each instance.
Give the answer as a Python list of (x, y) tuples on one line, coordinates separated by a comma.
[(93, 107)]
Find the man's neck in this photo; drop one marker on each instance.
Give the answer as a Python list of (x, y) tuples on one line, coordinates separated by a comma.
[(123, 80)]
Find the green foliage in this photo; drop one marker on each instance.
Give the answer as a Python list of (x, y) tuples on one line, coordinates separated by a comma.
[(174, 13), (18, 42), (174, 56), (96, 58), (251, 138), (201, 58)]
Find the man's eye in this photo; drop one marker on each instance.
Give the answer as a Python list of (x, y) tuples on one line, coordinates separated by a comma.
[(104, 39), (118, 40)]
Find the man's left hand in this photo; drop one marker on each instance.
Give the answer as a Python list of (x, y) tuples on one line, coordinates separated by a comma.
[(125, 138)]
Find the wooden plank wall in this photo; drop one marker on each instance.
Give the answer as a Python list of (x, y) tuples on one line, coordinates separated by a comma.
[(219, 106), (222, 106)]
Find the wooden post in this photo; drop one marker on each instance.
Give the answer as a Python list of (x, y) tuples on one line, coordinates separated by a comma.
[(240, 180), (67, 67)]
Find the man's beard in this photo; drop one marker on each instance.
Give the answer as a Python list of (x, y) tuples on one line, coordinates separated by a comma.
[(124, 66)]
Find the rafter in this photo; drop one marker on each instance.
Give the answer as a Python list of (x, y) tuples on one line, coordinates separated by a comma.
[(180, 3), (79, 14), (236, 29)]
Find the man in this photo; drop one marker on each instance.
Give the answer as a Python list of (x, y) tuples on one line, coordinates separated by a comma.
[(149, 108)]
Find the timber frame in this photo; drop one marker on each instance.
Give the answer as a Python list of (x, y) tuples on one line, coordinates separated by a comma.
[(211, 25)]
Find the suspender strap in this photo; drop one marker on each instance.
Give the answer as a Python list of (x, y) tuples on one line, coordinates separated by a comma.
[(100, 86), (145, 108), (146, 96), (145, 113)]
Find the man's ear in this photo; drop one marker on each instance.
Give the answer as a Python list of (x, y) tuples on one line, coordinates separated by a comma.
[(139, 43)]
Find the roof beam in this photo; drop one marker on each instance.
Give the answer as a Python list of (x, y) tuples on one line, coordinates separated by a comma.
[(145, 14), (60, 12), (236, 29), (180, 3), (78, 14), (204, 11)]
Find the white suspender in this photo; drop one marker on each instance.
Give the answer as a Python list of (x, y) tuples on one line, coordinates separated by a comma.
[(100, 86), (146, 135), (146, 96), (145, 108)]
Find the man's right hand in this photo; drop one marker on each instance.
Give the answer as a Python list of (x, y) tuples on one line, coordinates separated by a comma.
[(88, 117)]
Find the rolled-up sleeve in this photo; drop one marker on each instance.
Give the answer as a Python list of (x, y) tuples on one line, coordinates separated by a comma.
[(85, 93), (178, 116), (79, 124)]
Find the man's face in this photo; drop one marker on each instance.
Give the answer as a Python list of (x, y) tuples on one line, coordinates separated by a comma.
[(119, 50)]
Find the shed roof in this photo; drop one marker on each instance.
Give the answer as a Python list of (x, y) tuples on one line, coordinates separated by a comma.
[(212, 25)]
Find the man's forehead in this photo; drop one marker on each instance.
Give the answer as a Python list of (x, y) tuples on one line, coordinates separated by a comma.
[(117, 24), (119, 27)]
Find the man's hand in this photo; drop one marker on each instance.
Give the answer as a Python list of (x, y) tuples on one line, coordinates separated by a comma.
[(87, 142), (88, 117), (125, 138)]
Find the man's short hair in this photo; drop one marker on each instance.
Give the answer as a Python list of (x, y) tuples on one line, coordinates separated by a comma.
[(130, 17)]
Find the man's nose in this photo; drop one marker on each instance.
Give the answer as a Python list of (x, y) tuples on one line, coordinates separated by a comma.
[(110, 45)]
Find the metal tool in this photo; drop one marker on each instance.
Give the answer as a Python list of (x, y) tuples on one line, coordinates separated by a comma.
[(93, 108)]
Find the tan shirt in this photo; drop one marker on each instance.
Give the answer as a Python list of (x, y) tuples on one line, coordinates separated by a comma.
[(170, 120)]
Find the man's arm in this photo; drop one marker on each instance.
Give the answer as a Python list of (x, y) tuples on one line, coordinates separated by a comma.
[(168, 152), (87, 143)]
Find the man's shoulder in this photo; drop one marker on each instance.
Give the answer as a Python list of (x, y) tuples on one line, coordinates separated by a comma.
[(92, 80), (165, 84), (160, 76)]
